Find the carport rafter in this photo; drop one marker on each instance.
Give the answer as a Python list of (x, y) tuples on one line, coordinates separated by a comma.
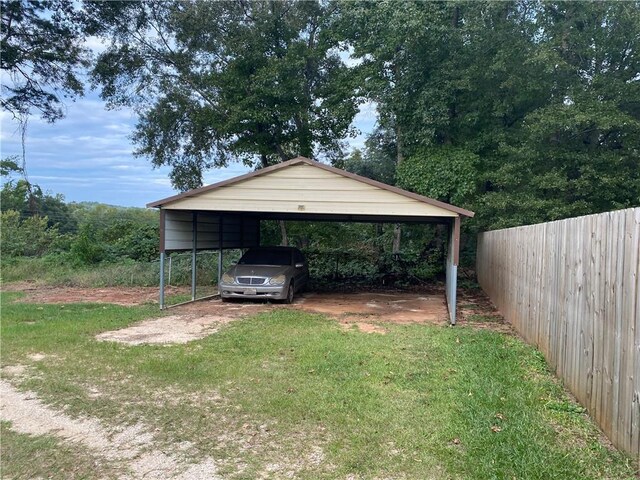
[(299, 189)]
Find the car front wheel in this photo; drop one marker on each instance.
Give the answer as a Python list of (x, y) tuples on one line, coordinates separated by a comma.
[(290, 293)]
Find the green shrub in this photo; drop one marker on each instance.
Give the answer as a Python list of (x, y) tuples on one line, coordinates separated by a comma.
[(444, 173), (86, 249), (138, 242), (27, 237)]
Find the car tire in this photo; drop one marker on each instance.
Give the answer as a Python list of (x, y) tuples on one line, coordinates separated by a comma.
[(290, 293)]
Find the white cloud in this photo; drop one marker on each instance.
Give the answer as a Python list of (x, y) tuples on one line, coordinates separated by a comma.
[(165, 182), (88, 155)]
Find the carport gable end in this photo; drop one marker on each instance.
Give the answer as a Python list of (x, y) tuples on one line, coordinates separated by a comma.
[(227, 214)]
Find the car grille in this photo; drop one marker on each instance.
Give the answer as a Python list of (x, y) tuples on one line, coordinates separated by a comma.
[(251, 280)]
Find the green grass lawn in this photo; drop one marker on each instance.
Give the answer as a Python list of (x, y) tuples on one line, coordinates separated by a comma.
[(287, 391)]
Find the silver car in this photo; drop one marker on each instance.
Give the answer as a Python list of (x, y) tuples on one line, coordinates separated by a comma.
[(267, 273)]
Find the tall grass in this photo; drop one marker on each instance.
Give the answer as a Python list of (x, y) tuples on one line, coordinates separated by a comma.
[(55, 271), (61, 270)]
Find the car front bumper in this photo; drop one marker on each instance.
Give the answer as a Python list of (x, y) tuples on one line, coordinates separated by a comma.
[(278, 292)]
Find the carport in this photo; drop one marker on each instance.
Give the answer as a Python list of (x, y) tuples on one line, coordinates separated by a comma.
[(227, 215)]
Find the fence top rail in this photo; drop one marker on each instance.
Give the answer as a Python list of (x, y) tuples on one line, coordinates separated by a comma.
[(568, 219)]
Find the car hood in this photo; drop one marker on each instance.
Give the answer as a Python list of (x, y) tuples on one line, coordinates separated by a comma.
[(257, 270)]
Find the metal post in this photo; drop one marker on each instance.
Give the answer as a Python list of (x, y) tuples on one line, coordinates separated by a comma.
[(162, 254), (169, 279), (452, 268), (219, 268), (220, 237), (193, 256)]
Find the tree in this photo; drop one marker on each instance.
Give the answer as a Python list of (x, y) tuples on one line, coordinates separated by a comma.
[(400, 46), (30, 201), (378, 159), (108, 233), (42, 54), (444, 173), (216, 81), (579, 151), (523, 111), (28, 237)]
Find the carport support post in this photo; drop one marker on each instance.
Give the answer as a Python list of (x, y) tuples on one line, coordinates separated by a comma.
[(162, 255), (452, 268), (220, 238), (194, 250), (219, 268)]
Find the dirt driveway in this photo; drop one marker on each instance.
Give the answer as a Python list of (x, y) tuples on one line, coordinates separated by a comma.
[(368, 311), (365, 310), (127, 296)]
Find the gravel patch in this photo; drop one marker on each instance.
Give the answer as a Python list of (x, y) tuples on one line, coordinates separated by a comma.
[(171, 329), (14, 370), (37, 357), (132, 445)]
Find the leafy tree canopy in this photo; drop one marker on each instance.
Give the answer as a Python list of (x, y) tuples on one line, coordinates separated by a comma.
[(446, 173), (377, 160), (524, 111), (28, 200), (216, 81), (42, 54)]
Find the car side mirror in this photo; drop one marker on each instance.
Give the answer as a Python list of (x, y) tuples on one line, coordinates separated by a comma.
[(299, 265)]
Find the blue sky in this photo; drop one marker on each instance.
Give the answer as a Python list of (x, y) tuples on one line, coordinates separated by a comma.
[(87, 156)]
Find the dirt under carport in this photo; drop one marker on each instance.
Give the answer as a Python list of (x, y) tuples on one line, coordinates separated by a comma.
[(388, 306), (367, 311), (394, 305)]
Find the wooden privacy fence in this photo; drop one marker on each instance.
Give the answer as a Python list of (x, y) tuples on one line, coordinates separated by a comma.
[(571, 288)]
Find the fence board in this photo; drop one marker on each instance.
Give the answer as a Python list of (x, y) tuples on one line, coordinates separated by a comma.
[(572, 288)]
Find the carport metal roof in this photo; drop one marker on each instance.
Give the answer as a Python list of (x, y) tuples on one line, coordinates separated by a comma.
[(227, 214)]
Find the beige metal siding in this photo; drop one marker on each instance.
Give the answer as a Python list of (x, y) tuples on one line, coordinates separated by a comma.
[(307, 189), (237, 232)]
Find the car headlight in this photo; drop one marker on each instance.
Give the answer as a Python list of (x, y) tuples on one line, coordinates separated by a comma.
[(277, 280), (226, 278)]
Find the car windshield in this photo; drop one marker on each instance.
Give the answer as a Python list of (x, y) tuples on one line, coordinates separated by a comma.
[(266, 257)]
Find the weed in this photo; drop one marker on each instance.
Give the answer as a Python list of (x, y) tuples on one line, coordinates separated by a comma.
[(479, 318), (287, 393)]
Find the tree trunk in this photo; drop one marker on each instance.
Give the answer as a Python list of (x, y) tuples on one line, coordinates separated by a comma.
[(284, 240), (397, 235), (397, 229), (399, 145), (281, 153)]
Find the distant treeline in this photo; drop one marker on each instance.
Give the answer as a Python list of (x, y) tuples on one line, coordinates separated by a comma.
[(35, 224), (84, 235)]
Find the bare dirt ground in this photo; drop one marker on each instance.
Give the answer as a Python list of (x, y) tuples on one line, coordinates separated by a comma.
[(383, 306), (184, 324), (476, 310), (127, 296), (368, 311)]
